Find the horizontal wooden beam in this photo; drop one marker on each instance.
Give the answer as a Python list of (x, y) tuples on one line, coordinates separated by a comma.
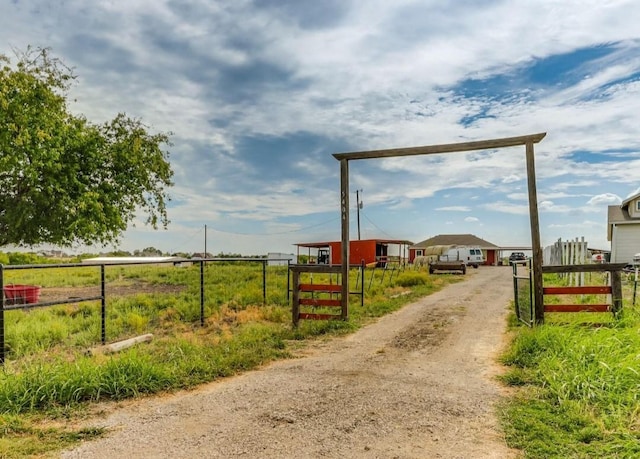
[(594, 289), (444, 148), (320, 288), (306, 315), (577, 308), (319, 302), (592, 268), (315, 268)]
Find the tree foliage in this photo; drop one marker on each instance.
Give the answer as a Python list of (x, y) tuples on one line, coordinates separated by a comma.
[(63, 179)]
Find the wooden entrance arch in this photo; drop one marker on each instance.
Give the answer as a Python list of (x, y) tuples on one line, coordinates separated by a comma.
[(527, 140)]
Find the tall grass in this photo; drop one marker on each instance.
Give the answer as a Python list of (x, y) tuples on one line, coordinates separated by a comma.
[(55, 340), (579, 387)]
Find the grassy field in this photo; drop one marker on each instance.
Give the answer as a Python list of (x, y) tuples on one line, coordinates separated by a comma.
[(49, 379), (576, 383)]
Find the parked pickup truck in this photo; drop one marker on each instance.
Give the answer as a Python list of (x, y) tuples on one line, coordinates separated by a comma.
[(453, 258)]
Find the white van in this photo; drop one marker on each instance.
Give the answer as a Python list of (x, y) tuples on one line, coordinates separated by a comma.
[(471, 256)]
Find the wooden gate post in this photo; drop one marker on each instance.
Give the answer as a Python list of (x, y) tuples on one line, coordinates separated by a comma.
[(616, 291), (344, 207), (538, 296)]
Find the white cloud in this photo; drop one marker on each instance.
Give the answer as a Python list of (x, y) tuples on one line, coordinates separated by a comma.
[(471, 219), (604, 199), (508, 208), (218, 74), (633, 193), (511, 178), (454, 209), (578, 225)]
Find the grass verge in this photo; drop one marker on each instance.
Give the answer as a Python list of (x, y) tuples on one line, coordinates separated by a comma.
[(577, 387)]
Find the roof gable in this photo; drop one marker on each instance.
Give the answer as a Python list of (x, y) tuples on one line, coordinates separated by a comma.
[(626, 202), (455, 239)]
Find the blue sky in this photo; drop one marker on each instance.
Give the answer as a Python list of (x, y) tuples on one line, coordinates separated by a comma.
[(259, 94)]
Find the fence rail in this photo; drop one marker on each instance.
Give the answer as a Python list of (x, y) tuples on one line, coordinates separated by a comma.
[(614, 289), (102, 297)]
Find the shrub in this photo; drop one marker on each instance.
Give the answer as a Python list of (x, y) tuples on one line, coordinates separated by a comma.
[(411, 278)]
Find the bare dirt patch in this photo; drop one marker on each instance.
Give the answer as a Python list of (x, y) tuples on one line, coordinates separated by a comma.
[(418, 383), (68, 293)]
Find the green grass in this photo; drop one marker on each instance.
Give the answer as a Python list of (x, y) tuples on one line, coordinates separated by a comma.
[(578, 386), (49, 378)]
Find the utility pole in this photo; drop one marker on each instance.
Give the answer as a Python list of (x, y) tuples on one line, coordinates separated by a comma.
[(205, 241), (358, 207)]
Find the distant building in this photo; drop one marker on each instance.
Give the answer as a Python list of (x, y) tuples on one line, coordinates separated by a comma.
[(623, 229), (491, 251), (281, 259), (372, 252)]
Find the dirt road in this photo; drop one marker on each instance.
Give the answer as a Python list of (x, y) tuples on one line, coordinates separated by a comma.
[(416, 384)]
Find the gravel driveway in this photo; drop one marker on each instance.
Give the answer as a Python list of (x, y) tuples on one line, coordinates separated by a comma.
[(418, 383)]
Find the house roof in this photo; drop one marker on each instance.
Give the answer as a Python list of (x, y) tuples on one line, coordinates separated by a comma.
[(619, 215), (625, 203), (455, 239)]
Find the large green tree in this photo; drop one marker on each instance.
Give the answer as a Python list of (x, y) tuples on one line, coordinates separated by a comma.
[(63, 179)]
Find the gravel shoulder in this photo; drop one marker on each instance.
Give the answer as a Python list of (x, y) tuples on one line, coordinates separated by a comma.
[(418, 383)]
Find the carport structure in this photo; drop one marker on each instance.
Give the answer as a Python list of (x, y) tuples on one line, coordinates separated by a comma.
[(527, 140)]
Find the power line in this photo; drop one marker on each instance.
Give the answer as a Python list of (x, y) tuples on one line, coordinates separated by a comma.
[(188, 239), (377, 227)]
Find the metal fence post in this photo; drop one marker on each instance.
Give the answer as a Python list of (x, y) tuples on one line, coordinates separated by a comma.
[(514, 270), (2, 346), (264, 282), (103, 307), (362, 269), (635, 286), (531, 304), (202, 293), (295, 303), (288, 280)]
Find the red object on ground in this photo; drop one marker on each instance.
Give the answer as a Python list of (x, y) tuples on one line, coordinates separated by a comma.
[(22, 294)]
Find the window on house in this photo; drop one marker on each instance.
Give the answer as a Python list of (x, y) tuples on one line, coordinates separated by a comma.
[(418, 253), (638, 205)]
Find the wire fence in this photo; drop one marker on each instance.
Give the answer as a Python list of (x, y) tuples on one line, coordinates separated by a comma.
[(101, 282), (523, 291)]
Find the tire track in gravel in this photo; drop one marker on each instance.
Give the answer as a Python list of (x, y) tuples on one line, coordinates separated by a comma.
[(417, 383)]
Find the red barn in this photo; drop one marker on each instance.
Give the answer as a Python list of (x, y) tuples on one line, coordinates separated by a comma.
[(373, 252)]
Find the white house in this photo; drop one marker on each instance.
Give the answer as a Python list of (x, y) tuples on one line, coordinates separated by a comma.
[(623, 229)]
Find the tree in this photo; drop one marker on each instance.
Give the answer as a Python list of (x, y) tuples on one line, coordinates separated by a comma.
[(148, 252), (63, 179)]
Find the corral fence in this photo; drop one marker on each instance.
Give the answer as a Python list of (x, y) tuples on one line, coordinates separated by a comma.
[(318, 300), (26, 297), (613, 291), (525, 306)]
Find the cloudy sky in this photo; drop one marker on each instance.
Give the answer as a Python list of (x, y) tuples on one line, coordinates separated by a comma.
[(259, 95)]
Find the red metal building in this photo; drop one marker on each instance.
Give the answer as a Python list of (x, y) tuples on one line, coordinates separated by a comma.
[(373, 252)]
